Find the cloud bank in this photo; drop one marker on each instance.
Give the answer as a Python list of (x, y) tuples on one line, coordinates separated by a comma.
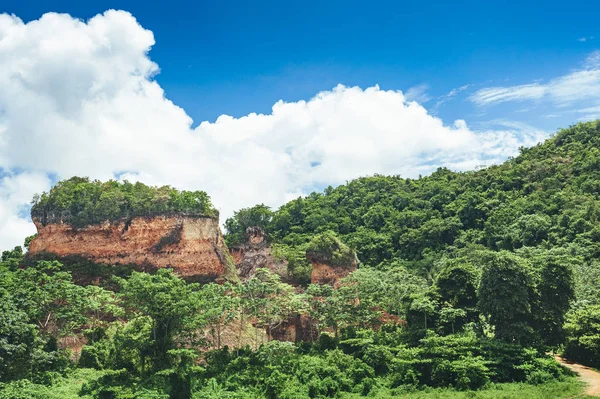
[(79, 98)]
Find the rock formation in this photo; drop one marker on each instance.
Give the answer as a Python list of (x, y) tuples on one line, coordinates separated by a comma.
[(331, 259), (193, 246), (256, 253), (323, 273)]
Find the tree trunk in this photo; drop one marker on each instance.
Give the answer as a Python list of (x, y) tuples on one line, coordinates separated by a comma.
[(255, 338), (241, 328), (218, 335)]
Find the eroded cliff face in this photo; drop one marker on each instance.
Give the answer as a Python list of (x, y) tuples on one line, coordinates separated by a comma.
[(324, 273), (192, 246), (255, 254)]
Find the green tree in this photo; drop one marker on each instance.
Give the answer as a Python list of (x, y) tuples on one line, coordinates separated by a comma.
[(450, 314), (582, 330), (173, 305), (22, 349), (557, 290), (506, 293), (101, 307), (80, 202), (257, 216), (425, 305), (220, 308)]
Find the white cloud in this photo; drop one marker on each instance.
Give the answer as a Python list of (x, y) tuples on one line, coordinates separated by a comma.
[(77, 98), (449, 96), (592, 61), (595, 109), (579, 85), (417, 93), (491, 95), (16, 192), (585, 39)]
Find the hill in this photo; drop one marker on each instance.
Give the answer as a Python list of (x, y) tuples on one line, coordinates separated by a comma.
[(545, 199)]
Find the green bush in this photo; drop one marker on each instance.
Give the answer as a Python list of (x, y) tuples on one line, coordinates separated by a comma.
[(299, 268), (464, 374), (467, 362), (327, 248)]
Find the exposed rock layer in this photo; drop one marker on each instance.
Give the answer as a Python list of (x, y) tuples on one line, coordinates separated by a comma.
[(256, 253), (192, 246), (323, 273)]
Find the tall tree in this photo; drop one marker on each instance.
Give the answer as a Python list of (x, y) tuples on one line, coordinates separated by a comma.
[(506, 293), (557, 289), (173, 305)]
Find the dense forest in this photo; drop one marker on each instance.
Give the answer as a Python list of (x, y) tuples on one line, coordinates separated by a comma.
[(466, 283)]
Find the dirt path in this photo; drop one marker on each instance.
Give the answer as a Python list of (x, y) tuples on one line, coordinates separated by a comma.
[(590, 376)]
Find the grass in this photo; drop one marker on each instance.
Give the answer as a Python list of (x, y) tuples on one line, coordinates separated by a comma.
[(570, 388)]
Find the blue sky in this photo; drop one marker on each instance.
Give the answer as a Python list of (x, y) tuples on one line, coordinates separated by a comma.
[(188, 93), (238, 57)]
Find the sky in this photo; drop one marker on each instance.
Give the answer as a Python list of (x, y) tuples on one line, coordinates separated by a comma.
[(261, 102)]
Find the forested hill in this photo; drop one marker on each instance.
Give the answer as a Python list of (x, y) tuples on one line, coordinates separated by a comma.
[(547, 197)]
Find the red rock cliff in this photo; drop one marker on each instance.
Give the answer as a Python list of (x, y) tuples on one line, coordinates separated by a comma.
[(192, 246), (322, 273)]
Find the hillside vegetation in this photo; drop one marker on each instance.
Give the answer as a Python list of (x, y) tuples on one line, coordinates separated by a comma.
[(547, 197), (466, 282)]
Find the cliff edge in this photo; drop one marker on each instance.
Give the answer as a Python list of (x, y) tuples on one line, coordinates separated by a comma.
[(192, 245)]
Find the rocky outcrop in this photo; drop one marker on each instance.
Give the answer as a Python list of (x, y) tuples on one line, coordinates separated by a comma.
[(322, 273), (331, 259), (192, 246), (256, 253)]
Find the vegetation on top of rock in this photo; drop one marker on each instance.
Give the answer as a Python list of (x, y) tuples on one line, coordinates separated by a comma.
[(327, 248), (237, 225), (80, 202)]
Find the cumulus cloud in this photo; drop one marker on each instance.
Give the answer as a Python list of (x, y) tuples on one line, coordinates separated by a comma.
[(579, 85), (16, 191), (78, 98)]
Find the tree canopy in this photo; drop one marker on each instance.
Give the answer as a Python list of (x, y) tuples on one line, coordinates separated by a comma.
[(81, 202)]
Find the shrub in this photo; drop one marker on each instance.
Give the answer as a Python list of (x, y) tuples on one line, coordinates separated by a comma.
[(327, 248)]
